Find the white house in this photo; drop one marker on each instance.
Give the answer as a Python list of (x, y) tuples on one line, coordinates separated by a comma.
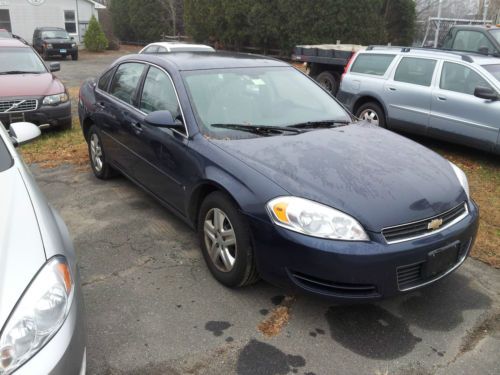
[(21, 17)]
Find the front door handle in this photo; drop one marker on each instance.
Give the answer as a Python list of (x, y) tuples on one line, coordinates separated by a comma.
[(441, 98), (137, 127), (392, 88), (100, 105)]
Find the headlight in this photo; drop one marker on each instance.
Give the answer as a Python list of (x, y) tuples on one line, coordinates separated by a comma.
[(314, 219), (55, 99), (38, 315), (48, 45), (73, 45), (462, 178)]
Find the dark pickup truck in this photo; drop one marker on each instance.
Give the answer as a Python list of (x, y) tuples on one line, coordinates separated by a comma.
[(326, 62), (478, 39)]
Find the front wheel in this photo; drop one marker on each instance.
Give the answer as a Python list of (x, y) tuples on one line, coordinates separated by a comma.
[(373, 113), (100, 166), (74, 56), (225, 241)]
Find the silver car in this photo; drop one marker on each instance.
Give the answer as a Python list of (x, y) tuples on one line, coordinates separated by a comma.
[(41, 304), (441, 94)]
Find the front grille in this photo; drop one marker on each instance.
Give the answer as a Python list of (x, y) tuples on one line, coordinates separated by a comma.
[(333, 288), (422, 228), (18, 105), (61, 45)]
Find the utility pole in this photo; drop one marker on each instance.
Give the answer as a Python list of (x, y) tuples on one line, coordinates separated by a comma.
[(438, 25)]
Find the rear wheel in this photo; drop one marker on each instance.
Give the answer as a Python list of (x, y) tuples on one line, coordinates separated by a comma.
[(100, 166), (330, 81), (225, 241), (373, 113)]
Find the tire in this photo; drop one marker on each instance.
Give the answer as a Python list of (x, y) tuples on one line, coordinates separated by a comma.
[(102, 169), (74, 56), (242, 271), (330, 81), (372, 112)]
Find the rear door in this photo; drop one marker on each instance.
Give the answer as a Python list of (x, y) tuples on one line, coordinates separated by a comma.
[(457, 115), (120, 114), (407, 94)]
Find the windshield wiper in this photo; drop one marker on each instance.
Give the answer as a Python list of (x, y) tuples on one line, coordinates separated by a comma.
[(258, 129), (18, 72), (320, 124)]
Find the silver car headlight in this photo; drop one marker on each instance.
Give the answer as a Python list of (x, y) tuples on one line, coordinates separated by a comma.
[(314, 219), (56, 99), (462, 178), (38, 315)]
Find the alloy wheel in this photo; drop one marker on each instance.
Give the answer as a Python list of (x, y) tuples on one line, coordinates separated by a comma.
[(370, 115), (220, 239), (96, 152)]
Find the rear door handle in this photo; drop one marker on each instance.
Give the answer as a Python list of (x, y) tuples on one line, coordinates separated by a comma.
[(100, 105), (441, 98), (392, 88)]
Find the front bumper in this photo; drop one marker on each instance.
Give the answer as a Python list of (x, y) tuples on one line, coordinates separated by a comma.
[(57, 51), (48, 116), (346, 270), (65, 353)]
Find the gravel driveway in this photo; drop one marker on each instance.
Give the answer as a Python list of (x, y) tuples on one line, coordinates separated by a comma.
[(153, 308)]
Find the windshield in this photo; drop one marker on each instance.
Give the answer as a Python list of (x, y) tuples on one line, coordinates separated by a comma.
[(494, 70), (257, 97), (55, 34), (20, 60), (496, 34), (5, 159)]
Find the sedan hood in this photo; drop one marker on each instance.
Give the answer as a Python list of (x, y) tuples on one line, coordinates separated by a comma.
[(380, 178), (13, 85), (21, 248)]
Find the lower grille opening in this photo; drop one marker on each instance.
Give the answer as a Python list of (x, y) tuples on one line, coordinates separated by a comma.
[(333, 288)]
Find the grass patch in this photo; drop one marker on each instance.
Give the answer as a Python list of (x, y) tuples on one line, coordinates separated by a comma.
[(56, 147)]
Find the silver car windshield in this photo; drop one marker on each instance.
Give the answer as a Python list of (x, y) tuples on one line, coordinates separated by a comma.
[(276, 96), (5, 158), (20, 60), (494, 70)]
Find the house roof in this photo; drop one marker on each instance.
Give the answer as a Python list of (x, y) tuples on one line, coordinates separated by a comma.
[(96, 4)]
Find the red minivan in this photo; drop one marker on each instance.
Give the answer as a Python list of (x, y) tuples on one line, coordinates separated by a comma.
[(28, 89)]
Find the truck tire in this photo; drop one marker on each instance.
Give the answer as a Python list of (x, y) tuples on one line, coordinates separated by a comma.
[(330, 81)]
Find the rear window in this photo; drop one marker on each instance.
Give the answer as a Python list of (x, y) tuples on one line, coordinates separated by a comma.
[(375, 64), (494, 70), (5, 158)]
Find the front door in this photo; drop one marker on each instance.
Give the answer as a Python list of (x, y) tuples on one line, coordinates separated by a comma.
[(459, 116), (408, 95)]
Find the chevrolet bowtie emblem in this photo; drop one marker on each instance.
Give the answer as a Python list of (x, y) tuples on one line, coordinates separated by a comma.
[(435, 224)]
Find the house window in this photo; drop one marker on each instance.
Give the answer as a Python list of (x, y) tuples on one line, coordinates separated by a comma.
[(70, 21), (5, 20)]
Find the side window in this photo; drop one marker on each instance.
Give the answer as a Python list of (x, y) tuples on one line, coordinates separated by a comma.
[(459, 78), (159, 94), (472, 41), (104, 80), (375, 64), (415, 70), (152, 49), (125, 81)]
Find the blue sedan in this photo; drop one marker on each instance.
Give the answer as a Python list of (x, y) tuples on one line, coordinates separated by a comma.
[(276, 177)]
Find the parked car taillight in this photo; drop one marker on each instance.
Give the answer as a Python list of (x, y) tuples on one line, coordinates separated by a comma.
[(348, 65)]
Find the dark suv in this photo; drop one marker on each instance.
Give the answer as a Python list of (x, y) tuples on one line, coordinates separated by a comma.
[(478, 39), (28, 89), (54, 41)]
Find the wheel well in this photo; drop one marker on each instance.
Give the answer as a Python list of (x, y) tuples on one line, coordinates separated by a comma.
[(199, 195), (87, 123), (364, 100)]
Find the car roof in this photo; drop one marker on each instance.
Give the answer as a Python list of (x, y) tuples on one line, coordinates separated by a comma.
[(207, 60), (12, 42), (174, 45), (470, 57)]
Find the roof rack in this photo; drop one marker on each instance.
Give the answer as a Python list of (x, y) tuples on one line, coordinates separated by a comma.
[(465, 56)]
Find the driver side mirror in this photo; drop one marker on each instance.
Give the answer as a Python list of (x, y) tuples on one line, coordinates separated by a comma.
[(485, 93), (54, 67), (163, 119), (23, 132)]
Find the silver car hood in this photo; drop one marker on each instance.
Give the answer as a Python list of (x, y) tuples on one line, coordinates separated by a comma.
[(21, 247)]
